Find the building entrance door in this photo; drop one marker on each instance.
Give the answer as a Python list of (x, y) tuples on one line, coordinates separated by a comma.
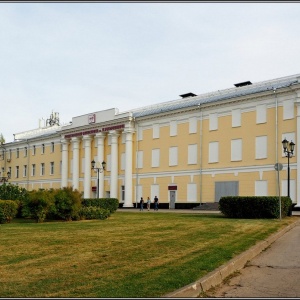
[(172, 199)]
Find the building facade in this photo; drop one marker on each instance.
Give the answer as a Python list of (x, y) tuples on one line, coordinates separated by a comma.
[(187, 152)]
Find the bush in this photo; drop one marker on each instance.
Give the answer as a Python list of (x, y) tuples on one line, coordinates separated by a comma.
[(67, 203), (13, 192), (254, 207), (8, 210), (93, 212), (37, 205), (111, 204)]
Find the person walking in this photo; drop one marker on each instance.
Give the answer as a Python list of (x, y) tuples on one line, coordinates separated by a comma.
[(148, 203), (156, 202), (141, 204)]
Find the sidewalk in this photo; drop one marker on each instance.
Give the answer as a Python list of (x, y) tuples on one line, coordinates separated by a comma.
[(274, 273), (180, 211), (267, 270)]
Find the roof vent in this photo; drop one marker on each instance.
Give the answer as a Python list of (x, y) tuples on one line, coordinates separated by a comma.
[(243, 83), (187, 95)]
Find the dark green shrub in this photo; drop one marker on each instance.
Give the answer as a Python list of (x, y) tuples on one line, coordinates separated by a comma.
[(111, 204), (8, 210), (254, 207), (37, 205), (13, 192), (67, 203), (93, 212)]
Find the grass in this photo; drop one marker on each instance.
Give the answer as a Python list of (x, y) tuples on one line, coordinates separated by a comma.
[(128, 255)]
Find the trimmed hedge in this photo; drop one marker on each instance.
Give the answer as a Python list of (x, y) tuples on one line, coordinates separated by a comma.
[(93, 212), (258, 207), (110, 204), (8, 210)]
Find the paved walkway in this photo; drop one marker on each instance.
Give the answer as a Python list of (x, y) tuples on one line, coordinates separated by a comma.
[(180, 211), (273, 273)]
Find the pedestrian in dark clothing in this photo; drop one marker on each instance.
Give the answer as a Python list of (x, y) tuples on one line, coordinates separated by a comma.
[(156, 202), (141, 204)]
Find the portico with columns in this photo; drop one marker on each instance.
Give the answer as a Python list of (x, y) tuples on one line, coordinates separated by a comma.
[(81, 146)]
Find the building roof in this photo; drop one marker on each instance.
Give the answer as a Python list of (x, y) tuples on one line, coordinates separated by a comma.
[(239, 91)]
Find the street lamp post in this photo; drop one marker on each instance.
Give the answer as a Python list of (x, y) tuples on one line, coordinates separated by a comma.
[(98, 170), (4, 178), (288, 148)]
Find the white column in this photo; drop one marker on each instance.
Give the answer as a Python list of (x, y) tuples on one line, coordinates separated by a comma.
[(114, 164), (87, 166), (297, 148), (75, 175), (64, 163), (128, 169), (100, 158)]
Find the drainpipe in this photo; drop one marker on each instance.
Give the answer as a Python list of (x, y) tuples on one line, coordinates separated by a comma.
[(276, 152), (200, 168), (28, 167), (137, 159)]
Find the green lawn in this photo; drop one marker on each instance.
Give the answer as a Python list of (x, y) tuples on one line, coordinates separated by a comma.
[(128, 255)]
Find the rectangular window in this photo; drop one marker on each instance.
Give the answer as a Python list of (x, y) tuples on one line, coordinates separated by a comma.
[(33, 170), (154, 191), (173, 156), (213, 152), (52, 146), (42, 169), (17, 171), (193, 125), (155, 129), (139, 159), (33, 150), (155, 158), (192, 154), (24, 170), (51, 167), (261, 144), (123, 159), (123, 192), (236, 118), (261, 114), (43, 148), (25, 151), (108, 163), (261, 188), (18, 153), (173, 128), (213, 121), (140, 134), (236, 150), (191, 192), (288, 109)]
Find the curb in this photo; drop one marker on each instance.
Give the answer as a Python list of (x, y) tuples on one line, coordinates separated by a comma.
[(217, 276)]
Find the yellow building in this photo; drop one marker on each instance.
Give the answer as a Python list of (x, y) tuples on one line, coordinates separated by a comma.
[(187, 152)]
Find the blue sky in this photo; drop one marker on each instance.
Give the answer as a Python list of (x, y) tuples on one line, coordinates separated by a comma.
[(79, 58)]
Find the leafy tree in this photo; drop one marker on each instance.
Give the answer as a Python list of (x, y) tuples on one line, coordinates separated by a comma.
[(2, 139)]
